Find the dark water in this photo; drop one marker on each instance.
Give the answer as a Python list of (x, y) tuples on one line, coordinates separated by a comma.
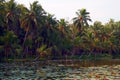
[(86, 63), (61, 70)]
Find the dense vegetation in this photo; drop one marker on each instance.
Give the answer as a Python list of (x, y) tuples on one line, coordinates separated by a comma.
[(34, 33)]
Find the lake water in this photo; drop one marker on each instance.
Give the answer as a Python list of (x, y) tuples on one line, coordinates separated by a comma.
[(61, 70)]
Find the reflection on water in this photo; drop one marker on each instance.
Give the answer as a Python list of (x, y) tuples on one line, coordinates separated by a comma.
[(61, 70), (86, 63)]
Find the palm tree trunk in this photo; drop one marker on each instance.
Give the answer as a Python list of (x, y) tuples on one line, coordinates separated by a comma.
[(25, 38), (23, 45)]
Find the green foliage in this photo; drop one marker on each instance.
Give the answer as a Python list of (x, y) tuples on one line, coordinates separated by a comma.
[(29, 43), (42, 48), (27, 32)]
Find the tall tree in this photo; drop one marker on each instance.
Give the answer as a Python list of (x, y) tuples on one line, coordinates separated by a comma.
[(32, 22), (82, 19), (62, 25), (12, 17)]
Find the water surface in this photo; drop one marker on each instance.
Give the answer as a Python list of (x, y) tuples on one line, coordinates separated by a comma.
[(61, 70)]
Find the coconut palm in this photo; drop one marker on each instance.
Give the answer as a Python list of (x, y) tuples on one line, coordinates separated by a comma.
[(32, 19), (64, 28), (50, 21), (12, 17), (8, 41), (2, 13), (82, 19), (32, 22), (39, 13)]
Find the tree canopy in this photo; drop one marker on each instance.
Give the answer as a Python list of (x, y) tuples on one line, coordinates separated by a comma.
[(32, 32)]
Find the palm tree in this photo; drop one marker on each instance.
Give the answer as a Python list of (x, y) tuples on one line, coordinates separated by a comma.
[(115, 37), (73, 31), (12, 17), (63, 27), (32, 19), (2, 12), (50, 21), (29, 24), (96, 29), (32, 22), (82, 19), (39, 13), (8, 41)]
